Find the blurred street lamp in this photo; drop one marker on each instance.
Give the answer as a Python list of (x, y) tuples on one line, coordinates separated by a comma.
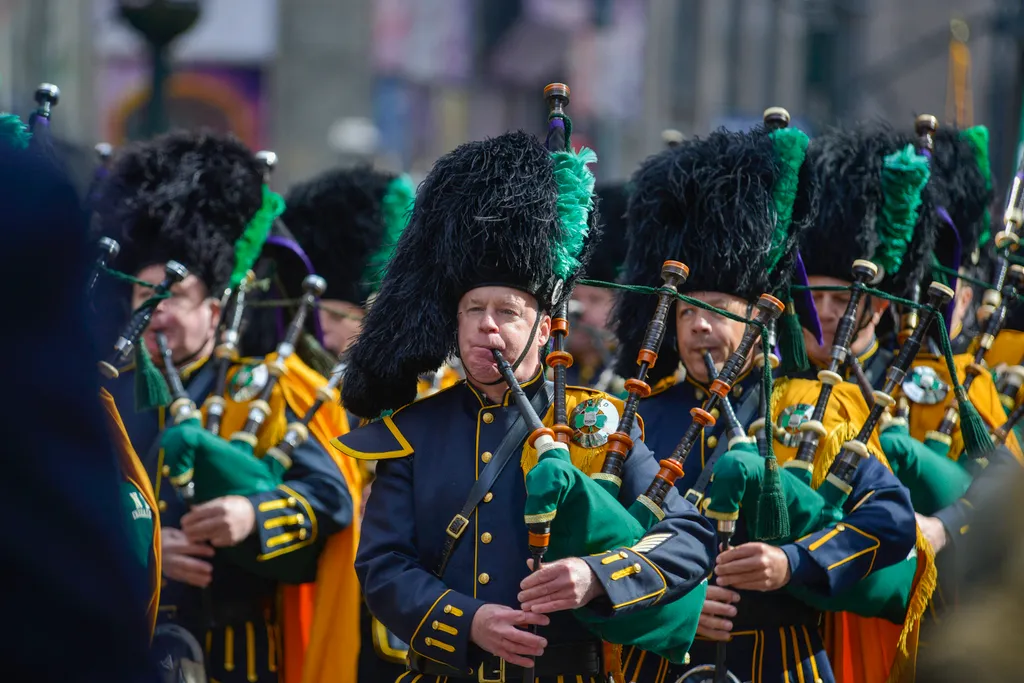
[(159, 22)]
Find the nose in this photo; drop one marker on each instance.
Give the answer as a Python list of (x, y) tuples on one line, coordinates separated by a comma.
[(700, 323), (487, 324)]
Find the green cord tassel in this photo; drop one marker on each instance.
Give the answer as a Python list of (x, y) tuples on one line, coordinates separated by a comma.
[(772, 513), (973, 429), (977, 442), (151, 390), (792, 349)]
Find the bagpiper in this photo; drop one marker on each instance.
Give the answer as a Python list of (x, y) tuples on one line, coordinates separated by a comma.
[(239, 559), (500, 231)]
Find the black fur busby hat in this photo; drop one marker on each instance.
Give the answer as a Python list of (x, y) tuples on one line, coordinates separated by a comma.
[(503, 211), (606, 261), (190, 197), (963, 184), (876, 203), (724, 206), (348, 222)]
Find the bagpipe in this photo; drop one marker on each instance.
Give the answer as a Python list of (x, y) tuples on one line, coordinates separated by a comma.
[(992, 312), (570, 514)]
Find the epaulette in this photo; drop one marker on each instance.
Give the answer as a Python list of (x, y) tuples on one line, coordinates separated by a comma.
[(383, 439), (664, 384)]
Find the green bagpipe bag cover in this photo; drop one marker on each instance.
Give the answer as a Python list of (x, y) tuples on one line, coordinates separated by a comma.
[(934, 481), (739, 472), (217, 467), (587, 520)]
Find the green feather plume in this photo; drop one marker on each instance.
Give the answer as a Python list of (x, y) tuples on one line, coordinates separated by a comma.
[(904, 175), (396, 207), (978, 137), (790, 150), (249, 246), (575, 202), (14, 132)]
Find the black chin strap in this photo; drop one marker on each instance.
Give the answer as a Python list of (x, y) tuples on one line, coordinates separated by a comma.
[(515, 366)]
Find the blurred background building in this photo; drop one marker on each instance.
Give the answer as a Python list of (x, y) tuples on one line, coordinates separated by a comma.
[(399, 82)]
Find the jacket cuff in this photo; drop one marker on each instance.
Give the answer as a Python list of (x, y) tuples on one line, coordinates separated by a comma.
[(803, 571), (631, 582), (285, 521), (443, 633), (954, 520)]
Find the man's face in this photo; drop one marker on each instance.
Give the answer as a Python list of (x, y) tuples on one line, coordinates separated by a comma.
[(188, 318), (699, 330), (831, 306), (595, 308), (341, 322), (499, 318)]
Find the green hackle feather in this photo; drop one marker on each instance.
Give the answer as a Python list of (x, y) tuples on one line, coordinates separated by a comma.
[(790, 150), (575, 202), (978, 137), (772, 512), (249, 246), (151, 390), (14, 132), (904, 176), (396, 208)]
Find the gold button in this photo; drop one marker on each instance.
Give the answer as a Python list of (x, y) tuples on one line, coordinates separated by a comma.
[(840, 527), (434, 626), (166, 470), (712, 441), (485, 537), (299, 519), (486, 456), (637, 568), (963, 529), (488, 418), (715, 413), (484, 578), (291, 501), (302, 534), (428, 641), (737, 391), (489, 497), (447, 610), (699, 394), (162, 505)]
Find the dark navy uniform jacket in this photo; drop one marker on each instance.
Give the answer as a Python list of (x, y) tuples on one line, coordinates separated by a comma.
[(292, 524), (774, 634), (430, 453)]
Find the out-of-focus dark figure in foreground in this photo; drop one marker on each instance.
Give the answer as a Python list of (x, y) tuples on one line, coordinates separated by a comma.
[(982, 641), (76, 603)]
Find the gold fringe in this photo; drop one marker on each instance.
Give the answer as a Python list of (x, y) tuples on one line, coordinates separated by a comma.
[(925, 583), (829, 448)]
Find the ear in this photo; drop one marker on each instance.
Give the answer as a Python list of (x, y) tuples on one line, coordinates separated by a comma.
[(215, 310), (878, 307), (544, 330)]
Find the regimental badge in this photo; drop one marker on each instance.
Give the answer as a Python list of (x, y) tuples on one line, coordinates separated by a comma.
[(787, 431), (592, 422), (923, 385), (248, 382)]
